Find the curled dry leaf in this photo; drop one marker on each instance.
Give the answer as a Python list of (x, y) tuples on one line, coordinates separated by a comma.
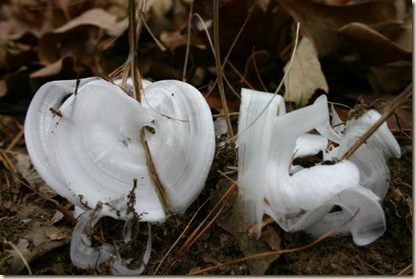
[(75, 38), (305, 75), (374, 48), (335, 16)]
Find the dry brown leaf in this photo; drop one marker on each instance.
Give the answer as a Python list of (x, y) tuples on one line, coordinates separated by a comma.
[(374, 48), (321, 22), (272, 238), (65, 64), (56, 218), (23, 166), (3, 86), (232, 220), (390, 78), (305, 75), (80, 36), (96, 17), (39, 240), (14, 264), (367, 13)]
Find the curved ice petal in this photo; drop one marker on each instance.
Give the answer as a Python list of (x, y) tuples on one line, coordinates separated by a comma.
[(257, 108), (368, 225), (83, 255), (371, 155)]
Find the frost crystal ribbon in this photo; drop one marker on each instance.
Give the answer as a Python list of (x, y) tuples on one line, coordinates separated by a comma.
[(301, 198), (90, 145)]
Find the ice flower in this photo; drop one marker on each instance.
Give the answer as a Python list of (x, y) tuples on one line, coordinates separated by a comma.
[(300, 198), (96, 145)]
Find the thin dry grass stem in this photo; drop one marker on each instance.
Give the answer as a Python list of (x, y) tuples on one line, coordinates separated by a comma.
[(389, 110), (188, 42), (277, 89), (18, 136), (241, 76), (227, 56), (8, 183), (206, 32), (226, 176), (220, 72), (257, 72), (67, 214), (191, 239), (143, 21), (210, 223), (280, 252), (406, 271), (222, 115), (200, 229), (237, 36), (20, 255), (180, 236), (231, 87), (341, 105), (229, 50), (7, 163)]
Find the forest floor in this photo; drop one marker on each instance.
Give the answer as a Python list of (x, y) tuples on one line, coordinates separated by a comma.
[(36, 223)]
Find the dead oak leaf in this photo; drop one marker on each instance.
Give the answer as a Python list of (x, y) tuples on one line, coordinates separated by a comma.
[(374, 48), (79, 37), (305, 75), (272, 238)]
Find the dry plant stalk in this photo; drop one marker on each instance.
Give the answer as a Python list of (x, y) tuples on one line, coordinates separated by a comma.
[(234, 138), (134, 31), (20, 255), (220, 72), (389, 110), (159, 187)]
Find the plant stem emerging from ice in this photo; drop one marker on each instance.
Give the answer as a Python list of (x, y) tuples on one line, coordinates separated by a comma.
[(398, 101), (133, 62), (219, 70)]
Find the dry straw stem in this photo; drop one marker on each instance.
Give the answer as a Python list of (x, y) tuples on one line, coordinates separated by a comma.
[(278, 88), (20, 255), (179, 238), (159, 187), (406, 271), (188, 42), (219, 70), (10, 167), (280, 252), (134, 31), (389, 110), (200, 230), (228, 53), (18, 136)]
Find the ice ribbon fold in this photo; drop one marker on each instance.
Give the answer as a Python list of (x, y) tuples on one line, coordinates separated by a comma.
[(302, 198)]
